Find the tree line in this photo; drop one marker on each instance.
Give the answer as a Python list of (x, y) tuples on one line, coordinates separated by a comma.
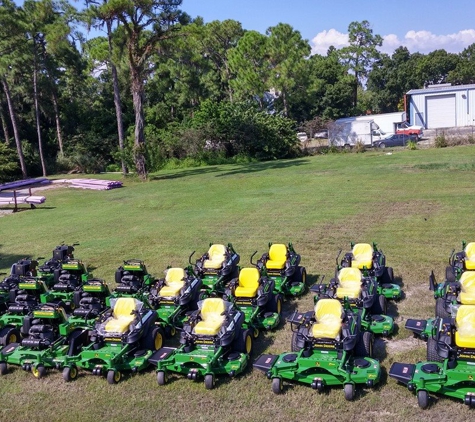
[(156, 86)]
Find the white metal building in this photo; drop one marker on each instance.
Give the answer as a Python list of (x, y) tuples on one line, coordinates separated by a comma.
[(441, 106)]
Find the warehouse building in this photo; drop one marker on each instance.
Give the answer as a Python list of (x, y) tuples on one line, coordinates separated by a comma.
[(442, 106)]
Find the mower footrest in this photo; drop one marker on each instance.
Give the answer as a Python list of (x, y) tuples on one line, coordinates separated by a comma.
[(265, 362), (416, 325), (161, 354), (402, 372)]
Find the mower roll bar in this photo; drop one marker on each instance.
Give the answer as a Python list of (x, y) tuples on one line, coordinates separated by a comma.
[(338, 256), (189, 258), (252, 263)]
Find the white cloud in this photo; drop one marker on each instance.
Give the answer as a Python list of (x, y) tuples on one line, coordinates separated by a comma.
[(325, 39), (416, 41)]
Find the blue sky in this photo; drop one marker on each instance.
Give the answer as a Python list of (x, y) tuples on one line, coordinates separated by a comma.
[(421, 25)]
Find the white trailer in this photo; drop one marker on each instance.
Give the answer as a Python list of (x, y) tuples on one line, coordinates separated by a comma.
[(388, 122), (349, 131)]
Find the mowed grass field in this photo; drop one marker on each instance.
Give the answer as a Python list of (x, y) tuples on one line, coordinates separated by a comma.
[(417, 205)]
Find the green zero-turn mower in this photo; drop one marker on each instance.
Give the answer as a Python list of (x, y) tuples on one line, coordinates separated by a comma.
[(369, 258), (123, 339), (89, 302), (450, 365), (460, 290), (24, 297), (72, 275), (216, 268), (281, 264), (133, 280), (254, 295), (50, 336), (328, 349), (174, 296), (9, 286), (358, 293), (461, 261), (213, 342), (51, 269)]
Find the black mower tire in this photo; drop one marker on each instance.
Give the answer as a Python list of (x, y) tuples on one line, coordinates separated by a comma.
[(9, 335), (245, 342), (293, 345), (70, 373), (3, 368), (39, 372), (349, 390), (155, 339), (161, 378), (423, 399), (113, 377), (277, 385), (450, 274), (364, 346), (440, 310), (388, 275), (209, 381), (275, 303), (432, 355), (380, 305)]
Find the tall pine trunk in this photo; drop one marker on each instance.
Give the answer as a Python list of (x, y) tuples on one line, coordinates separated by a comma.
[(139, 135), (37, 112), (59, 132), (6, 131), (117, 100), (15, 128)]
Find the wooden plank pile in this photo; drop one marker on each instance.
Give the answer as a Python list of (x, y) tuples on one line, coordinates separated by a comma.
[(93, 184), (17, 198)]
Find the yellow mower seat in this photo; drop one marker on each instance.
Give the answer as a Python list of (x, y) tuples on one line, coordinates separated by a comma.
[(217, 255), (362, 256), (465, 323), (349, 283), (277, 257), (121, 315), (248, 282), (328, 313), (470, 256), (212, 317), (174, 282)]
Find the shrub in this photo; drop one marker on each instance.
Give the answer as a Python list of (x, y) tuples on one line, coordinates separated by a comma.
[(359, 147), (412, 145), (441, 141)]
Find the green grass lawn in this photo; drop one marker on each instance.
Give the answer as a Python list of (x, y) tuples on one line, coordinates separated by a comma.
[(417, 205)]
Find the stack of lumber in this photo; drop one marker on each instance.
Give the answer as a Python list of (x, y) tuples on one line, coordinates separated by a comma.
[(93, 184)]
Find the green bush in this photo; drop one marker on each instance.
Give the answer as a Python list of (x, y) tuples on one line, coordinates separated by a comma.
[(441, 141), (9, 164), (412, 145)]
